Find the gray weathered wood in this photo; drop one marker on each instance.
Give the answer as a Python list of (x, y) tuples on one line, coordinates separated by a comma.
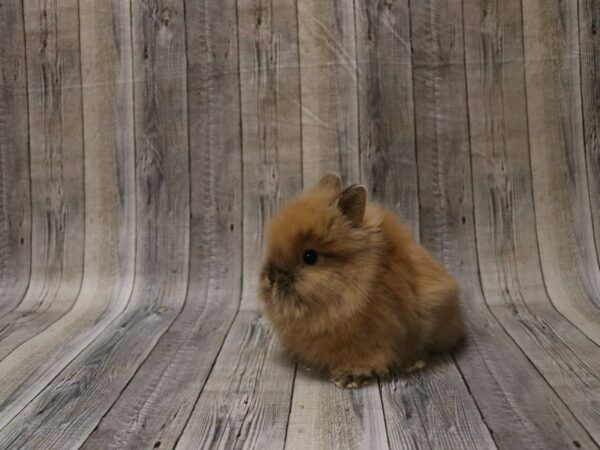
[(563, 217), (330, 142), (140, 224), (441, 131), (110, 213), (246, 400), (501, 380), (162, 244), (241, 405), (589, 49), (56, 158), (505, 224), (387, 139), (387, 120), (154, 408), (15, 199), (386, 109), (324, 416), (106, 71), (326, 33)]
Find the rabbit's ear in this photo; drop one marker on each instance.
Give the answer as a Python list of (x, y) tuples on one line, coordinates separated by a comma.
[(352, 203), (331, 181)]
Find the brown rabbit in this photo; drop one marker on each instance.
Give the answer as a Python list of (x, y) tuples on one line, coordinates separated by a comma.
[(349, 290)]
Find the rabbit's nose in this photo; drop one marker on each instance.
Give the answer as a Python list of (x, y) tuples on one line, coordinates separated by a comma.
[(276, 274), (272, 274)]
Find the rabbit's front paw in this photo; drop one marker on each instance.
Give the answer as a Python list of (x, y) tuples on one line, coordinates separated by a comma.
[(351, 380)]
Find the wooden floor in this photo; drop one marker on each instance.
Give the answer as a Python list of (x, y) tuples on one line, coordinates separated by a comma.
[(144, 144)]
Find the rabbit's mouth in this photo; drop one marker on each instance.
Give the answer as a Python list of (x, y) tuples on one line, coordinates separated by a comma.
[(287, 304), (282, 290)]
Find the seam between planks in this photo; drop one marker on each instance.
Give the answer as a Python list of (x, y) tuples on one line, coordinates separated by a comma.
[(28, 155), (360, 178), (289, 414), (385, 425), (414, 108), (301, 114), (356, 78), (301, 108)]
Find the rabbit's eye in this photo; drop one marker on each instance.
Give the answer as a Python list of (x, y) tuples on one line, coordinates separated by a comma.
[(310, 257)]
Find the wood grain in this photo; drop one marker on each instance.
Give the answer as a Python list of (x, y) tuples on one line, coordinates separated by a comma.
[(241, 405), (330, 142), (387, 117), (156, 404), (589, 49), (56, 153), (15, 198), (56, 160), (162, 244), (144, 145), (324, 416), (505, 224), (563, 217), (246, 399), (110, 217), (387, 139), (271, 116), (442, 155), (385, 104), (326, 32)]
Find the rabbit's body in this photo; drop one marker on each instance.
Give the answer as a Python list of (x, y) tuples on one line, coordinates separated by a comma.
[(373, 300)]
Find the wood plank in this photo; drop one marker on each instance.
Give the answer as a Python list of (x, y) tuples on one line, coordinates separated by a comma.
[(507, 388), (446, 229), (386, 108), (388, 140), (439, 394), (242, 404), (156, 404), (327, 43), (56, 158), (330, 142), (505, 224), (589, 25), (15, 199), (271, 121), (563, 218), (324, 416), (56, 147), (110, 218), (528, 374), (246, 399), (82, 393)]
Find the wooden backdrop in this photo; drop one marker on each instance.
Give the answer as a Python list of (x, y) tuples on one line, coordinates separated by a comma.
[(145, 143)]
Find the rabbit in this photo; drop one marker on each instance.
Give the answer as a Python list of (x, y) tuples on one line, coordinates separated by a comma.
[(350, 292)]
